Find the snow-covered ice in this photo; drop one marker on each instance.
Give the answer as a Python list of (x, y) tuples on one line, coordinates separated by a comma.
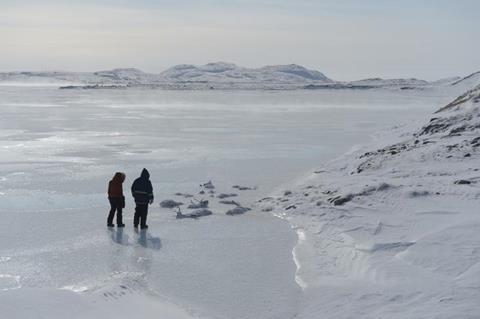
[(60, 148)]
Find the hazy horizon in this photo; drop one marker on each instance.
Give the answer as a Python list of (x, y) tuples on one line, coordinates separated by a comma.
[(345, 40), (132, 67)]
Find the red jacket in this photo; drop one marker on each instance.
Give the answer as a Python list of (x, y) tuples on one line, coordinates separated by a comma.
[(115, 189)]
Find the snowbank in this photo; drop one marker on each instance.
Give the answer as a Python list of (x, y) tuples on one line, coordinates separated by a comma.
[(392, 230)]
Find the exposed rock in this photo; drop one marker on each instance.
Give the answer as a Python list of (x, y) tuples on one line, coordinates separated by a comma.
[(184, 195), (244, 188), (463, 182), (195, 214), (341, 200), (237, 211), (198, 204), (229, 202), (169, 203), (208, 185), (418, 193), (223, 195)]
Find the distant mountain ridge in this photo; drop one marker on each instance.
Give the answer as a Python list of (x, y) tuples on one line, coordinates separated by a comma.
[(222, 71), (211, 75), (219, 75)]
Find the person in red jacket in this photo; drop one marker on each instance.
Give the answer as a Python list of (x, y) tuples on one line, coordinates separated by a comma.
[(116, 198)]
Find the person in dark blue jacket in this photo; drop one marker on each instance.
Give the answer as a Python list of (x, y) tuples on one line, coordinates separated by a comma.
[(142, 192)]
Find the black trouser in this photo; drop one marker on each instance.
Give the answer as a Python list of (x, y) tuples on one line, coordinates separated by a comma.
[(141, 211), (116, 204)]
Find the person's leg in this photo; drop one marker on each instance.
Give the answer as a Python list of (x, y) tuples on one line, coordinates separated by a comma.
[(136, 217), (143, 223), (119, 216), (145, 216), (113, 208)]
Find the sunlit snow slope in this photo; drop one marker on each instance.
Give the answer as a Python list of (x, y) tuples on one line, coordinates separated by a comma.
[(392, 230)]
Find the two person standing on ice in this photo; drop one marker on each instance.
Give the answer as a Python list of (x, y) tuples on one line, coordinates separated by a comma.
[(142, 192)]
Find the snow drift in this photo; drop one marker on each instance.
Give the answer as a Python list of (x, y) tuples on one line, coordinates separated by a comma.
[(391, 230)]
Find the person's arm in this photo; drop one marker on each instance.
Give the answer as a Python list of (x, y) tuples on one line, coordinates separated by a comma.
[(132, 189), (123, 196), (109, 189), (150, 192)]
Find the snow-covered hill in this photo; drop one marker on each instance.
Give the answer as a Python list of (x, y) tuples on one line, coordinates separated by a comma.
[(129, 76), (212, 75), (222, 75), (446, 81), (391, 230), (412, 82), (43, 78), (468, 81)]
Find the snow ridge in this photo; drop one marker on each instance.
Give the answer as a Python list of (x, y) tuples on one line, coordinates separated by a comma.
[(469, 81)]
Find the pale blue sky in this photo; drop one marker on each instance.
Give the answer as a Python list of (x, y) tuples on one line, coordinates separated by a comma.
[(346, 40)]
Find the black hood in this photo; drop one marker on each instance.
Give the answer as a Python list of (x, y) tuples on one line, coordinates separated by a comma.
[(145, 174)]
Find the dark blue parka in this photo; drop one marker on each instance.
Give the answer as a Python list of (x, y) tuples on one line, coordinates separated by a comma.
[(142, 190)]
